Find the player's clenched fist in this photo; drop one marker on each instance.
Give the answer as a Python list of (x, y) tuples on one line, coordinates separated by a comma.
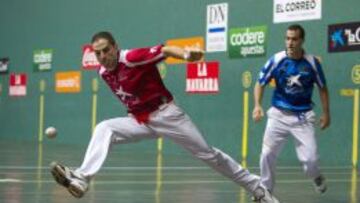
[(258, 113), (193, 54)]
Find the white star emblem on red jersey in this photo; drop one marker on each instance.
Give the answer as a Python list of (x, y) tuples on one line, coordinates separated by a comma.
[(122, 93)]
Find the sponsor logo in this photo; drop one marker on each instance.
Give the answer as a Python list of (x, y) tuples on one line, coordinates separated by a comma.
[(42, 59), (194, 42), (17, 84), (295, 6), (202, 77), (68, 82), (216, 30), (4, 63), (89, 60), (344, 37), (249, 41), (296, 10)]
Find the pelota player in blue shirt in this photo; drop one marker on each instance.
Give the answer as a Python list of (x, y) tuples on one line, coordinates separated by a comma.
[(295, 74)]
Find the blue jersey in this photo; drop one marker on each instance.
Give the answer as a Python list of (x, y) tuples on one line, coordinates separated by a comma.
[(294, 80)]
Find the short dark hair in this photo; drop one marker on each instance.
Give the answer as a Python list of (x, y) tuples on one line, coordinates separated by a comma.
[(298, 27), (105, 35)]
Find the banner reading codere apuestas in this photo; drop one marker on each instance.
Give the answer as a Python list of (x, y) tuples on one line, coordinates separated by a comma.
[(42, 59), (247, 41)]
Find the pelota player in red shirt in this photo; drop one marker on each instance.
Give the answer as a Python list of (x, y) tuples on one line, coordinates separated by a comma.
[(133, 76)]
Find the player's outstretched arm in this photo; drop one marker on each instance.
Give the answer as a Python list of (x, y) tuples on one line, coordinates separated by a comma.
[(190, 54)]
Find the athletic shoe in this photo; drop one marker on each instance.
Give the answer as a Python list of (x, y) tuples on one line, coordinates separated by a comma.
[(262, 195), (320, 184), (75, 183), (255, 199)]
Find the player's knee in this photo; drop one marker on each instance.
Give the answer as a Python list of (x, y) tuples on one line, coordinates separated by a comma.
[(101, 128), (268, 152)]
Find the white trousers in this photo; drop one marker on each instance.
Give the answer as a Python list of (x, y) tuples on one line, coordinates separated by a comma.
[(279, 126), (170, 122)]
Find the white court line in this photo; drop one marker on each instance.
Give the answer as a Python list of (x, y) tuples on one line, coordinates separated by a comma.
[(214, 181), (10, 180), (172, 173), (170, 167), (119, 182)]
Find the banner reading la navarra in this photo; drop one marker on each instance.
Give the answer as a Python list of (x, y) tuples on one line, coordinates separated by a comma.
[(202, 77)]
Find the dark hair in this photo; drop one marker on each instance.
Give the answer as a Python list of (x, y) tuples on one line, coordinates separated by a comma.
[(298, 27), (104, 35)]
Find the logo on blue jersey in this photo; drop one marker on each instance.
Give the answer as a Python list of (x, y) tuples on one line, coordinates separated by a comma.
[(293, 85)]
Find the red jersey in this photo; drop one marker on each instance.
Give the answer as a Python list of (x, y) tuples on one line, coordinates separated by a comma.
[(136, 81)]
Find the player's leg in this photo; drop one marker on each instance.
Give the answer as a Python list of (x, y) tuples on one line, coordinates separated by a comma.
[(109, 132), (306, 149), (106, 133), (275, 136), (174, 124)]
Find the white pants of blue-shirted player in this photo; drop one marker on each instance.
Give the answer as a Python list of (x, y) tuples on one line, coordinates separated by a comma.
[(280, 125)]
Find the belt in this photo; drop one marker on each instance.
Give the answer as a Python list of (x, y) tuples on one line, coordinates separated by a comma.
[(142, 116)]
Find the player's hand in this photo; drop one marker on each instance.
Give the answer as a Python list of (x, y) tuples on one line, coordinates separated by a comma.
[(324, 121), (258, 113), (193, 54)]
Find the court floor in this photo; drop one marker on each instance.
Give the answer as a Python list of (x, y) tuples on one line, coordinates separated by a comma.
[(151, 178)]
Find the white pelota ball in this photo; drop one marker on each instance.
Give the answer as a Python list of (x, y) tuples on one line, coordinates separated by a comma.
[(51, 132)]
